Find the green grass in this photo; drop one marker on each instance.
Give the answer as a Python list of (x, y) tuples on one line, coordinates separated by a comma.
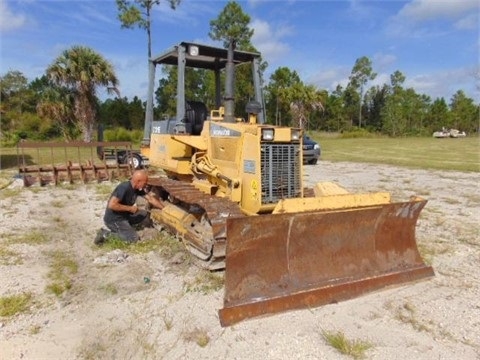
[(103, 190), (9, 192), (167, 321), (353, 348), (461, 154), (110, 289), (407, 314), (162, 242), (34, 237), (197, 335), (14, 304), (205, 282), (10, 158), (34, 329), (9, 257), (62, 269)]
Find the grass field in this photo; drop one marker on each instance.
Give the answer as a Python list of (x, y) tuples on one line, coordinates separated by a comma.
[(462, 154)]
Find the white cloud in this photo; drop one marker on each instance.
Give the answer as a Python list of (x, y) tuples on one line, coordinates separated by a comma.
[(421, 10), (446, 83), (360, 9), (413, 18), (329, 78), (9, 20), (131, 70), (380, 80), (187, 13), (254, 3), (90, 14), (268, 40), (468, 22), (382, 61), (434, 84)]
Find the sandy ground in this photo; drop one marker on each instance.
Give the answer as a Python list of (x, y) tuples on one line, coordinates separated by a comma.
[(123, 305)]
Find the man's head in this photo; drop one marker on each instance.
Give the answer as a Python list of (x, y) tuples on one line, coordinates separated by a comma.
[(139, 179)]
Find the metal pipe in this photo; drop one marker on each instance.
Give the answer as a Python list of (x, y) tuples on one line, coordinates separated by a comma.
[(229, 98)]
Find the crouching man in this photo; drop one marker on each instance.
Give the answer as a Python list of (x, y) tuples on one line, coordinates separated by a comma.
[(122, 212)]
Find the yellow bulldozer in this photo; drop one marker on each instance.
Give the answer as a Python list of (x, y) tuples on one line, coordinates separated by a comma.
[(235, 196)]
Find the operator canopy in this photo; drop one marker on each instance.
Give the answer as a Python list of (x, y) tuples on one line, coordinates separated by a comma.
[(203, 56)]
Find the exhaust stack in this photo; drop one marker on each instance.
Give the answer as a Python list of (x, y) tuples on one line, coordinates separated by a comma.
[(229, 85)]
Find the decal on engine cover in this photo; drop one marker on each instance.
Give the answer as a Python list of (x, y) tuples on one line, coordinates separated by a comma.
[(254, 189), (221, 131), (249, 166)]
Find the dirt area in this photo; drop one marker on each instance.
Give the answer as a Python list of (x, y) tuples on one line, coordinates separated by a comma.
[(119, 304)]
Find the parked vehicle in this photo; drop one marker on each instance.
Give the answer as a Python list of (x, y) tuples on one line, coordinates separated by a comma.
[(123, 156), (449, 133), (132, 157), (311, 150)]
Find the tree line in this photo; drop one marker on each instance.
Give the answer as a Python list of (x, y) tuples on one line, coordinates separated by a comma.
[(63, 103)]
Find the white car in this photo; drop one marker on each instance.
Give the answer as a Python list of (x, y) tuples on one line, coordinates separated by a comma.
[(446, 133)]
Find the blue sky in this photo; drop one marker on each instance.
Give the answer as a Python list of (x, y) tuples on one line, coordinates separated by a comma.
[(434, 43)]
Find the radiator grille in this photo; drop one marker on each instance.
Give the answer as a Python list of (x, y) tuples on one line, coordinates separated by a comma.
[(280, 167)]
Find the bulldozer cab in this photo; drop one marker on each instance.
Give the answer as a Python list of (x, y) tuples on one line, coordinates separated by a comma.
[(190, 115)]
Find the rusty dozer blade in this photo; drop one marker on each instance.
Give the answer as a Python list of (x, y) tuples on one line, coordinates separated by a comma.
[(281, 262)]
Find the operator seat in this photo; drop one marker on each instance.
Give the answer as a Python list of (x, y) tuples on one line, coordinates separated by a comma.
[(196, 113)]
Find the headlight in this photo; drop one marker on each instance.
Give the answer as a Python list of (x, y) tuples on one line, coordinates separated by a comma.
[(267, 134), (316, 146), (193, 50), (295, 134)]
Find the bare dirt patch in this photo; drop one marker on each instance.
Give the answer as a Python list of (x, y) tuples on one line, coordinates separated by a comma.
[(128, 305)]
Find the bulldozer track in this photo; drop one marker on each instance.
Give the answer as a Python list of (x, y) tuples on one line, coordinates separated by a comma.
[(216, 210)]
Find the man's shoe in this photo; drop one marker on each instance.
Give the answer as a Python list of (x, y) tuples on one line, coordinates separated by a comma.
[(101, 236)]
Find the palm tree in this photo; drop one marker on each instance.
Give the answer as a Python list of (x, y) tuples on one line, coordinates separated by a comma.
[(82, 70), (56, 103), (304, 99)]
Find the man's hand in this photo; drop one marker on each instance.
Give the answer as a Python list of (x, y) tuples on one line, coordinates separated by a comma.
[(154, 201), (134, 208)]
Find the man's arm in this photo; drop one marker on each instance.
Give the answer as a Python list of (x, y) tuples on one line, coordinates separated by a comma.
[(115, 205)]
